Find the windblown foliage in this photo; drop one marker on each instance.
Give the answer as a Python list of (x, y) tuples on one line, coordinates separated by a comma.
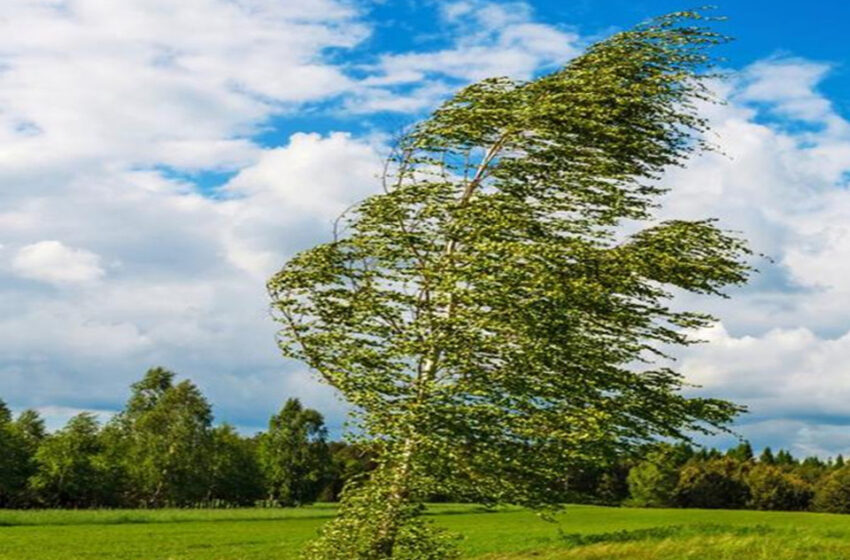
[(487, 315)]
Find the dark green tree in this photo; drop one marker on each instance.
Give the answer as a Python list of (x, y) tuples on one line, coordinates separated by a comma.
[(811, 469), (784, 458), (15, 461), (294, 455), (839, 461), (742, 452), (766, 457), (714, 484), (487, 315), (236, 474), (68, 466), (349, 462)]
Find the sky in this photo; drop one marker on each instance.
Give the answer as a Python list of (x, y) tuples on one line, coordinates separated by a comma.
[(160, 159)]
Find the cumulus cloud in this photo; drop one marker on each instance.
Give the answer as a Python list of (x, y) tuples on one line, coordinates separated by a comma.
[(158, 82), (783, 342), (490, 39), (310, 181), (51, 261)]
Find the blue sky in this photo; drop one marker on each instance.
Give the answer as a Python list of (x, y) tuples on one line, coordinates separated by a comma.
[(161, 159)]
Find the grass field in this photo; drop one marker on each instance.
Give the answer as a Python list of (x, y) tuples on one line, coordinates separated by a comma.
[(580, 533)]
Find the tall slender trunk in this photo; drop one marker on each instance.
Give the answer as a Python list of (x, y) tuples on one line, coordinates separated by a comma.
[(397, 499)]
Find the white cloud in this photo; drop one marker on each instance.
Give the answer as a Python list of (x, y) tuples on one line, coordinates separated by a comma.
[(51, 261), (784, 340), (291, 193), (312, 174), (783, 375), (789, 86), (155, 82), (490, 39)]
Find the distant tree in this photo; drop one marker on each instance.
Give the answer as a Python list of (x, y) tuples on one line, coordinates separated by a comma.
[(742, 452), (15, 461), (714, 484), (349, 462), (30, 426), (832, 493), (168, 440), (784, 458), (486, 315), (652, 482), (771, 488), (766, 457), (68, 469), (811, 469), (113, 463), (705, 454), (839, 461), (236, 474), (294, 455), (613, 488)]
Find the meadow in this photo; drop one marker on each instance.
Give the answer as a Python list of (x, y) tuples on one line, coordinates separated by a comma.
[(579, 533)]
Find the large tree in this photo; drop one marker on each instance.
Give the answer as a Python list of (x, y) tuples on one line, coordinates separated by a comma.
[(167, 441), (495, 315)]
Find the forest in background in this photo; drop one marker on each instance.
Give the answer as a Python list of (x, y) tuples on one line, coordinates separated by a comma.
[(163, 450)]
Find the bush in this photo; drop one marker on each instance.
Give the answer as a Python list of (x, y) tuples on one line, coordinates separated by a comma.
[(771, 488), (832, 493), (714, 484)]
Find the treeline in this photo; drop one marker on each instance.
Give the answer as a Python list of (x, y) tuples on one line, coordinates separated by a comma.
[(162, 450), (681, 476)]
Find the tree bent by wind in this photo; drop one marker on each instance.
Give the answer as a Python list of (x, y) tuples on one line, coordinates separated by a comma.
[(486, 315)]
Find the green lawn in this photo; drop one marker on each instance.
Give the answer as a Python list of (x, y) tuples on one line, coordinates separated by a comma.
[(581, 532)]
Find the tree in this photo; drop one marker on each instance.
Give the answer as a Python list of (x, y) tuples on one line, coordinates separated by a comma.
[(832, 493), (30, 426), (784, 458), (771, 488), (294, 455), (487, 315), (811, 469), (236, 475), (715, 484), (166, 431), (742, 452), (15, 461), (349, 462), (766, 457), (652, 482), (68, 471)]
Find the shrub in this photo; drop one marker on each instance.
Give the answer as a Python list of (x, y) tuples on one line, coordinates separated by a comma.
[(771, 488), (714, 484), (832, 493)]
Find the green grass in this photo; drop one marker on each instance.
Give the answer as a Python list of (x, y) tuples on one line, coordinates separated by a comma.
[(580, 533)]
